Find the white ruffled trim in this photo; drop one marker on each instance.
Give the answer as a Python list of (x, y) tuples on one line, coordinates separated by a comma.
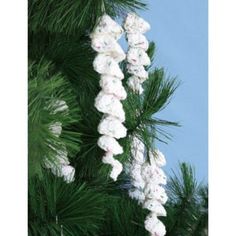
[(137, 57), (112, 126), (135, 24), (59, 165), (109, 46), (110, 104), (147, 179), (113, 85), (104, 42), (105, 64), (137, 40), (107, 26)]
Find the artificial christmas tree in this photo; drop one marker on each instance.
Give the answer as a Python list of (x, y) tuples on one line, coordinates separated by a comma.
[(70, 191)]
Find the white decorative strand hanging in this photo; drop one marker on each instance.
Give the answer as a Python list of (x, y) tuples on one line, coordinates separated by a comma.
[(104, 41), (137, 57), (147, 179), (59, 165)]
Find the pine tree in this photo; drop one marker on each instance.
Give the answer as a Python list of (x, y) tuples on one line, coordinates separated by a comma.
[(187, 207), (61, 72)]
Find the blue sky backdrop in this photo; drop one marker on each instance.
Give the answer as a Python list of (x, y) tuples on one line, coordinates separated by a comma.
[(180, 31)]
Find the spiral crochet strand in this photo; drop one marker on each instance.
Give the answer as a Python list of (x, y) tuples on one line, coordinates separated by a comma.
[(137, 57), (104, 42)]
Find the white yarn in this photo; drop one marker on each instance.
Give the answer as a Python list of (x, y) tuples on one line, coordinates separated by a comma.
[(138, 71), (154, 226), (147, 179), (109, 144), (135, 24), (157, 158), (113, 85), (109, 46), (57, 106), (135, 84), (155, 206), (137, 40), (104, 42), (109, 104), (107, 26), (56, 128), (137, 57), (59, 164), (116, 165), (112, 126), (105, 64)]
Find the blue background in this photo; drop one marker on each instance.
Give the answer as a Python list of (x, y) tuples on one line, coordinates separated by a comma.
[(180, 31)]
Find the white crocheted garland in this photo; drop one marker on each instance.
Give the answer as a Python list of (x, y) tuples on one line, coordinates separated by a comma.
[(59, 165), (147, 179), (137, 57), (104, 41)]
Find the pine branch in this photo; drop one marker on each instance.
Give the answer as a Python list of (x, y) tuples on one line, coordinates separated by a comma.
[(127, 218), (75, 17), (183, 205), (46, 89), (140, 110), (53, 204)]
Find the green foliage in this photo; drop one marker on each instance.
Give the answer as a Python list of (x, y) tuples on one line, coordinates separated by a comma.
[(75, 16), (187, 206), (60, 68), (127, 218), (45, 89), (142, 111), (55, 206)]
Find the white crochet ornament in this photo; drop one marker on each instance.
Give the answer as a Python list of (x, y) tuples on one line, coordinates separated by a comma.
[(154, 226), (137, 57), (135, 24), (105, 64), (59, 165), (113, 85), (111, 126), (104, 42), (110, 104), (137, 40), (135, 84), (138, 71), (147, 179), (107, 26), (109, 144), (109, 46), (56, 128)]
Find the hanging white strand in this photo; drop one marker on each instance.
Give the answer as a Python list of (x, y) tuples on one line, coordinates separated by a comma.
[(147, 180), (137, 57), (104, 41), (59, 165)]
